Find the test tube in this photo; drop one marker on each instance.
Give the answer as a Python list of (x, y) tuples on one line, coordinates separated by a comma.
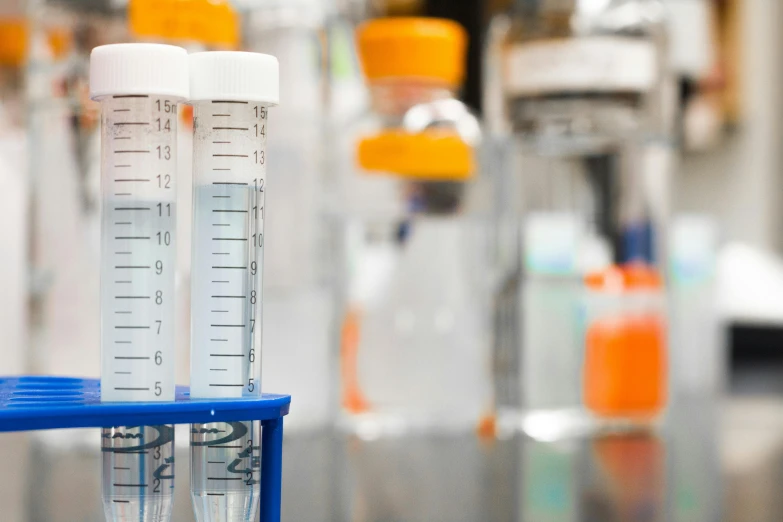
[(138, 473), (225, 468), (139, 87), (231, 92)]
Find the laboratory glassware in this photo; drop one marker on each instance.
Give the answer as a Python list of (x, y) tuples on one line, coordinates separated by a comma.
[(139, 87), (138, 473), (698, 359), (579, 105), (412, 285), (229, 211), (296, 293), (15, 191), (231, 93), (225, 471), (64, 175), (196, 25)]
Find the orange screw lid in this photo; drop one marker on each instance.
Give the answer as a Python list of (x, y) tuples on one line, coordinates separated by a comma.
[(425, 48), (435, 155), (14, 36), (211, 22), (60, 40), (13, 42)]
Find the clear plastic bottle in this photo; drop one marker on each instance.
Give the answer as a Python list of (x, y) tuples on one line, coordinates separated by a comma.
[(14, 201), (64, 174), (406, 202), (578, 102), (698, 345), (296, 286)]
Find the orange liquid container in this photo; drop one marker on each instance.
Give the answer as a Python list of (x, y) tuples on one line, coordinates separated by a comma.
[(625, 369)]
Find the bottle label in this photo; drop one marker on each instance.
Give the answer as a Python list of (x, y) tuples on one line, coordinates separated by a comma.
[(594, 64), (693, 247), (550, 241)]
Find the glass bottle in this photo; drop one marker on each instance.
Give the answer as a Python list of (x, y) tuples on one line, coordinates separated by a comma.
[(64, 175), (64, 161), (409, 211), (296, 294), (698, 359), (14, 204), (579, 105)]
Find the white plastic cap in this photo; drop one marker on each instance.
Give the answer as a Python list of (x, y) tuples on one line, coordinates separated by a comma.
[(138, 68), (234, 76)]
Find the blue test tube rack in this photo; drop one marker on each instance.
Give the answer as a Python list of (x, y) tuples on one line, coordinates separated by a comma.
[(29, 403)]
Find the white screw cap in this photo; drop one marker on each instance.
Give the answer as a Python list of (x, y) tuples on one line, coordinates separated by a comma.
[(138, 68), (234, 76)]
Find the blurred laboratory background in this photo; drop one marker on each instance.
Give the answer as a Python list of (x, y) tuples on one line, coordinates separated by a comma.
[(523, 258)]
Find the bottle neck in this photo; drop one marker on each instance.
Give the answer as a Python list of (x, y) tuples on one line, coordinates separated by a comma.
[(543, 6), (391, 99)]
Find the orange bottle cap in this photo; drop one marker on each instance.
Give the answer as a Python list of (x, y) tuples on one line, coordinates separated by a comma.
[(430, 155), (424, 48), (60, 40), (210, 22), (13, 42)]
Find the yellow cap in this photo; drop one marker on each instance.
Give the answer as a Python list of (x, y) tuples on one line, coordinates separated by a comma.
[(210, 22), (436, 155), (13, 42), (427, 48), (60, 40)]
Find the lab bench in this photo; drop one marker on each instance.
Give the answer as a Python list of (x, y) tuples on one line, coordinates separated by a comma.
[(715, 461)]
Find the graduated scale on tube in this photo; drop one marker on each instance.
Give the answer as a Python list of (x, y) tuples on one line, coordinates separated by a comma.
[(139, 87), (231, 92)]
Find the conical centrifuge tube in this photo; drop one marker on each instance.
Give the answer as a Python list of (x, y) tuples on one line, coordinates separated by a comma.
[(231, 92)]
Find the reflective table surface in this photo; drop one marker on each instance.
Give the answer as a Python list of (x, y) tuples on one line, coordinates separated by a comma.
[(714, 461)]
